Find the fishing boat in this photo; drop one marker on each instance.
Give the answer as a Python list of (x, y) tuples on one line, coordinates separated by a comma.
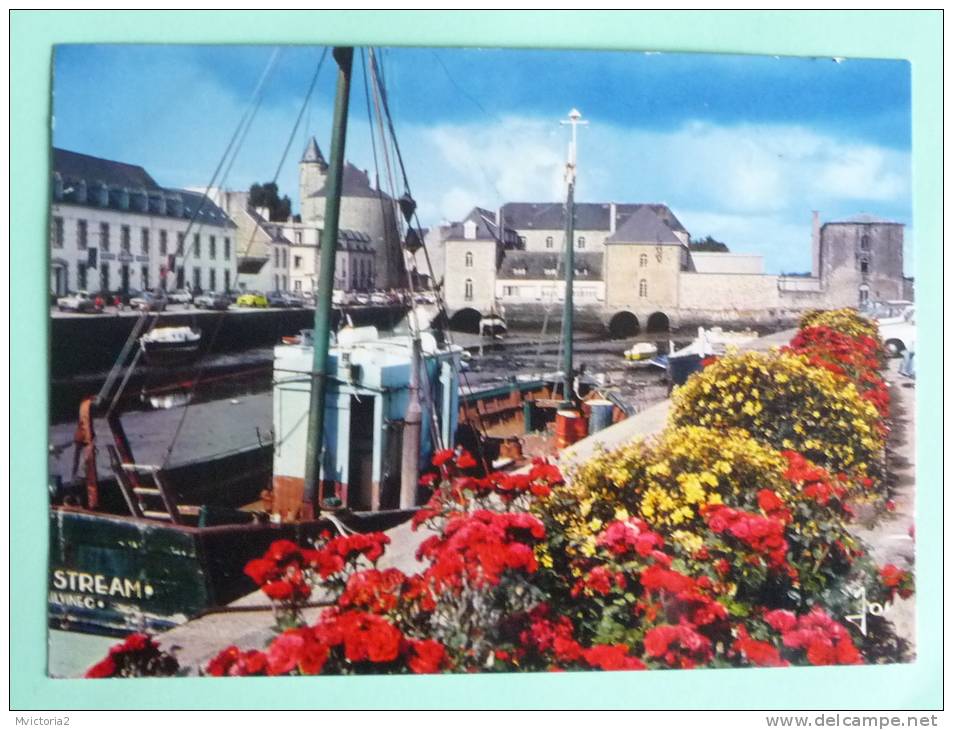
[(356, 414), (171, 345)]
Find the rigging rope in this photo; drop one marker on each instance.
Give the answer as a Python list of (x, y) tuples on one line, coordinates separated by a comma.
[(220, 320), (437, 287)]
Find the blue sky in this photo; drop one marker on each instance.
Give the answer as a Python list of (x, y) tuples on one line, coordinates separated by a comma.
[(741, 147)]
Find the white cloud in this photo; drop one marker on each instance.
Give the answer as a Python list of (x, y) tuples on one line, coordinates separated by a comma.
[(753, 186)]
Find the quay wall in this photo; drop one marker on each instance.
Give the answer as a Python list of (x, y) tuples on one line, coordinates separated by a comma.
[(84, 344)]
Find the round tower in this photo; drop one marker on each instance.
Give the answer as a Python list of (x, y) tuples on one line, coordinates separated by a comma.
[(312, 172)]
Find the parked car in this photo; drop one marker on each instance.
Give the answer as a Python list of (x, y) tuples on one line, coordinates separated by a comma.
[(898, 333), (252, 299), (80, 301), (213, 300), (360, 298), (277, 300), (180, 296), (293, 300), (150, 302)]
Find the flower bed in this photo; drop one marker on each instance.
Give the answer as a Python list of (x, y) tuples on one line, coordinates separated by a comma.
[(724, 541)]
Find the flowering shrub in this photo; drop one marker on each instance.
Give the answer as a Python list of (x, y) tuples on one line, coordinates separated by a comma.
[(782, 400), (136, 656), (846, 321), (723, 541)]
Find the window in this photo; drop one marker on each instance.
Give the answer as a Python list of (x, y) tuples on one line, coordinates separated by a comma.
[(82, 235), (864, 294), (124, 239), (104, 236), (643, 259), (864, 266), (196, 246), (145, 277), (277, 257), (468, 260), (519, 271), (145, 241), (197, 278), (284, 283), (643, 288), (56, 234), (510, 291), (522, 240), (211, 279), (581, 242), (180, 245), (284, 258), (277, 281), (163, 243), (211, 247), (549, 241), (298, 285), (468, 290), (297, 262), (865, 242), (81, 274), (549, 272), (228, 279), (228, 248), (298, 237), (104, 276)]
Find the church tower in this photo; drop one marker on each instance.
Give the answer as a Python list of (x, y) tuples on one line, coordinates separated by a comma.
[(312, 172)]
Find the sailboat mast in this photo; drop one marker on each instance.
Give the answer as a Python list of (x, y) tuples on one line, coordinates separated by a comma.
[(567, 330), (322, 309)]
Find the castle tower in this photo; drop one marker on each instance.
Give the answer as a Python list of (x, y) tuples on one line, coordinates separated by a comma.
[(312, 171)]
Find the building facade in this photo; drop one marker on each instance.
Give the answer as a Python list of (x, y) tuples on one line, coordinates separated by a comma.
[(635, 269), (114, 229)]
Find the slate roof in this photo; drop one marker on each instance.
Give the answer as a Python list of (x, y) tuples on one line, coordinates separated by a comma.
[(312, 153), (75, 166), (644, 226), (589, 216), (211, 214), (486, 228), (272, 230), (540, 265), (354, 184)]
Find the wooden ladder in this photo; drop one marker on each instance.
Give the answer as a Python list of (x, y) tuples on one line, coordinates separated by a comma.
[(145, 494)]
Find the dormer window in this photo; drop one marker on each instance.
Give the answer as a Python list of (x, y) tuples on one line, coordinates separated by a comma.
[(520, 271), (549, 272), (469, 230)]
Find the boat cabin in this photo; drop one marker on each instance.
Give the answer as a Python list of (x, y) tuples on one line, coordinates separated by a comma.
[(367, 397)]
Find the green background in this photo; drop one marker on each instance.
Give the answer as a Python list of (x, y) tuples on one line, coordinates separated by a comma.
[(912, 35)]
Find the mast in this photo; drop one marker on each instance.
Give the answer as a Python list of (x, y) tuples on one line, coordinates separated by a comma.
[(574, 120), (322, 310)]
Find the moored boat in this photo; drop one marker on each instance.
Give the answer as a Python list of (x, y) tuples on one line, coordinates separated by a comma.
[(171, 345)]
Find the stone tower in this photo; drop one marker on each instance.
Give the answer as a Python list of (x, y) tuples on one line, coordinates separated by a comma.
[(312, 171), (861, 260)]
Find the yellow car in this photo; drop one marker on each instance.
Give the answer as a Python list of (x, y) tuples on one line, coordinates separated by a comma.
[(252, 300)]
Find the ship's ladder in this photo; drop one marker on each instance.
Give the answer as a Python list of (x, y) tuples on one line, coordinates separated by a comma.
[(145, 492)]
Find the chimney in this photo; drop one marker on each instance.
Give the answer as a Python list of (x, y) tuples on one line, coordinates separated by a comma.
[(816, 244), (264, 213), (611, 218)]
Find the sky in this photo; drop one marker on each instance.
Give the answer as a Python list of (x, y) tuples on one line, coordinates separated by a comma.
[(742, 148)]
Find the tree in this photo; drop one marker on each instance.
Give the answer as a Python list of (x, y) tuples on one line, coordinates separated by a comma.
[(266, 196), (707, 244)]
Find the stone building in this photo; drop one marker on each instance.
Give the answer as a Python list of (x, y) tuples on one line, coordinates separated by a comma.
[(635, 269), (113, 228), (354, 264), (365, 209)]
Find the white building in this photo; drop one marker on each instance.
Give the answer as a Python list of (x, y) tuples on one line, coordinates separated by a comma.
[(113, 228)]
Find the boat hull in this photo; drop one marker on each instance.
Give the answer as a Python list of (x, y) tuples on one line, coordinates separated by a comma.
[(112, 575)]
